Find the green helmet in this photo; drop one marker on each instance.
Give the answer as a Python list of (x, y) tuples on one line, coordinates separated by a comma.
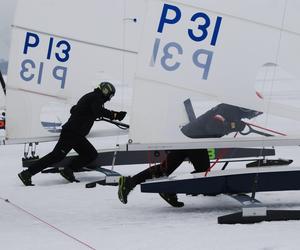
[(107, 89)]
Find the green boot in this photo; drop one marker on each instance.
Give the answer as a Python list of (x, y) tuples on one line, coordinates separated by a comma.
[(125, 186)]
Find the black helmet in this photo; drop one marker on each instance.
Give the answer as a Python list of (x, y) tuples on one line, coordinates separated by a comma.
[(107, 89)]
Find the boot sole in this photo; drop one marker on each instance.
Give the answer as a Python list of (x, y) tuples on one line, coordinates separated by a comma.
[(68, 179), (24, 182), (172, 203), (121, 186)]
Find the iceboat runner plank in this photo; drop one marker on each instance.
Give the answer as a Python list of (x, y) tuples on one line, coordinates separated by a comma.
[(156, 156), (229, 182)]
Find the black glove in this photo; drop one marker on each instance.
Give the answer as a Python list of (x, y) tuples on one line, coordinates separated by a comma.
[(234, 126), (120, 115)]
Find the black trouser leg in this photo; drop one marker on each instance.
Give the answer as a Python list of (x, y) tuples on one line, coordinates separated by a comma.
[(200, 159), (59, 152), (173, 161), (67, 141), (86, 153), (144, 175), (168, 166)]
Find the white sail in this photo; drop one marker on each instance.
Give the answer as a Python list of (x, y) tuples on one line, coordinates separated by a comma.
[(240, 54), (219, 55), (59, 51)]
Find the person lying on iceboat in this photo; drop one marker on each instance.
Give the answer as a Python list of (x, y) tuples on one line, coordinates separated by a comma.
[(198, 157), (73, 134), (219, 121)]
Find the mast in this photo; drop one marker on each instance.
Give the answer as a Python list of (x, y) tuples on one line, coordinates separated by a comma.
[(2, 83)]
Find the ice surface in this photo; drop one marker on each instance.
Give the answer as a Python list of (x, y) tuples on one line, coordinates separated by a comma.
[(99, 219)]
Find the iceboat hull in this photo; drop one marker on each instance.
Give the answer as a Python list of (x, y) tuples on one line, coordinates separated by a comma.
[(157, 156), (230, 182)]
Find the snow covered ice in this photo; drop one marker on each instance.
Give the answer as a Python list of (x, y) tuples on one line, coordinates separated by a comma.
[(97, 218)]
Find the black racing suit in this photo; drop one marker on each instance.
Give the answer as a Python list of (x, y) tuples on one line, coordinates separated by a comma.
[(83, 114), (219, 121)]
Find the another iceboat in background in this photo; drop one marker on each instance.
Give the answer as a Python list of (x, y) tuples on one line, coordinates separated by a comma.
[(192, 74), (2, 106)]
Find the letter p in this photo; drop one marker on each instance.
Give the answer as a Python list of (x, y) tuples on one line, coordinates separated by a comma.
[(32, 40), (164, 19)]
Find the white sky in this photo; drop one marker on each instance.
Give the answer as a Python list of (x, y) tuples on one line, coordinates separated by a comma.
[(7, 8)]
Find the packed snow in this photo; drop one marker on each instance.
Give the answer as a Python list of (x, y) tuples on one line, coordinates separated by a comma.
[(58, 215)]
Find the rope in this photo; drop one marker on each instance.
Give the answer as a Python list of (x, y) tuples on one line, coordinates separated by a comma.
[(267, 129), (219, 157), (46, 223), (224, 151), (149, 158)]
